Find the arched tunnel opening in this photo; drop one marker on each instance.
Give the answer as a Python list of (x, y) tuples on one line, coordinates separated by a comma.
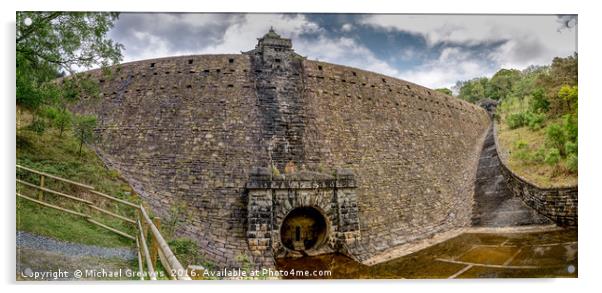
[(303, 229)]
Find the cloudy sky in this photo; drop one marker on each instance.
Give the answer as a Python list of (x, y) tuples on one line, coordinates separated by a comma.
[(431, 50)]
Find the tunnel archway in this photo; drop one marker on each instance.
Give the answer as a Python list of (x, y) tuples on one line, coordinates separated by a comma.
[(304, 228)]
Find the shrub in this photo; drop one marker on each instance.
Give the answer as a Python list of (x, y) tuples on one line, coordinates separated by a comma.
[(552, 157), (539, 156), (534, 120), (38, 126), (570, 126), (538, 102), (570, 148), (185, 250), (572, 163), (516, 120), (555, 136)]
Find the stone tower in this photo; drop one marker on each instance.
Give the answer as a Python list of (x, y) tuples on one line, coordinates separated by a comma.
[(278, 79)]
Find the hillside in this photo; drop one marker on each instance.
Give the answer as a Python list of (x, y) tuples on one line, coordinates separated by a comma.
[(59, 155), (536, 119)]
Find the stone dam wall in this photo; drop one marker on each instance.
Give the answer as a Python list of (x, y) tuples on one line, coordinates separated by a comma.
[(189, 130)]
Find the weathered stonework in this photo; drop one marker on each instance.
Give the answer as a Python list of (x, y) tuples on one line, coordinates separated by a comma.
[(191, 129), (271, 199), (495, 203), (557, 204)]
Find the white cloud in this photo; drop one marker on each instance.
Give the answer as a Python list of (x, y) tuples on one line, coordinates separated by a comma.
[(242, 35), (461, 40), (346, 27), (345, 51), (527, 39), (453, 64)]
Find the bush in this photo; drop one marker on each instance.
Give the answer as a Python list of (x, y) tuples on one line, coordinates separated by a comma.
[(572, 163), (185, 250), (539, 156), (570, 148), (516, 120), (552, 157), (534, 120), (38, 126), (555, 136), (570, 127), (538, 102)]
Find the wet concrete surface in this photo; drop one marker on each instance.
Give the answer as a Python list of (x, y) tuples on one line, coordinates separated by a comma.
[(514, 255)]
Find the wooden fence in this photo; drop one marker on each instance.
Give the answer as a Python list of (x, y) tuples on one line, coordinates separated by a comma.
[(143, 225)]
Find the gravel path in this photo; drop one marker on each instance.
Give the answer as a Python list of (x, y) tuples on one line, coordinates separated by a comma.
[(33, 241)]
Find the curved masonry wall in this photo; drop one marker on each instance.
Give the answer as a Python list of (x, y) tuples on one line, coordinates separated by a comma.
[(557, 204), (189, 130), (414, 151)]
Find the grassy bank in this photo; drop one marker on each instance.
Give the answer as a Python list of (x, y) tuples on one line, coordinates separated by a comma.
[(59, 155), (515, 141)]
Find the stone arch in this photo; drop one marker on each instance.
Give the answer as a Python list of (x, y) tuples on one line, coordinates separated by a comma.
[(304, 228)]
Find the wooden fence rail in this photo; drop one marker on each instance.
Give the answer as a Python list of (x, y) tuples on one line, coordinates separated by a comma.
[(143, 223)]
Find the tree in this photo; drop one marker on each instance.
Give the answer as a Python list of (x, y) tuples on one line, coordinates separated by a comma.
[(51, 44), (472, 90), (501, 84), (562, 72), (83, 127), (569, 95), (445, 91), (62, 120)]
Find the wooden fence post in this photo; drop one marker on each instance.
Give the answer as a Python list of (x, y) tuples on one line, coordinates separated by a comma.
[(41, 193), (154, 243)]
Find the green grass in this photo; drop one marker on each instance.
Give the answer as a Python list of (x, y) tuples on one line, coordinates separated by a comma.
[(47, 152), (41, 220)]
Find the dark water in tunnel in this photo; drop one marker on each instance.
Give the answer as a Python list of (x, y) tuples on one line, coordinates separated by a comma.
[(515, 255)]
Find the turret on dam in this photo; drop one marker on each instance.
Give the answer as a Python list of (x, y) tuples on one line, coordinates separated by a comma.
[(274, 155)]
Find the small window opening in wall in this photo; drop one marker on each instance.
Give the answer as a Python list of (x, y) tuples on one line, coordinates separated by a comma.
[(190, 61), (206, 70), (230, 60), (152, 65), (230, 85), (319, 67), (218, 71), (353, 72), (277, 60), (189, 86)]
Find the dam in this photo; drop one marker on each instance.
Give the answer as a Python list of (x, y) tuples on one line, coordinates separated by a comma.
[(274, 155)]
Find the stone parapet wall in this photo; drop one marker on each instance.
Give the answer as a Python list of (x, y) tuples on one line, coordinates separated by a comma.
[(557, 204)]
